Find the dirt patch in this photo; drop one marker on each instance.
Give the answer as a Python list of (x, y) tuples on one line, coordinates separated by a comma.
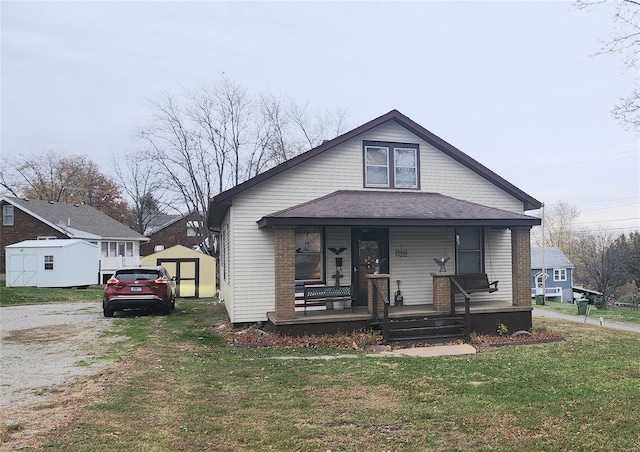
[(485, 341), (369, 341), (46, 348)]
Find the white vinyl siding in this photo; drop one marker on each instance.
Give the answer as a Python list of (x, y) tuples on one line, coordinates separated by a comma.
[(251, 263), (338, 238), (414, 270)]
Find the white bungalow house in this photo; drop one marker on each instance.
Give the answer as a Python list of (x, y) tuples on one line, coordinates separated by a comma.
[(388, 197), (23, 219)]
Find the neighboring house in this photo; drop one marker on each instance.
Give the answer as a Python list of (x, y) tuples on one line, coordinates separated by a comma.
[(51, 263), (388, 195), (22, 219), (166, 231), (557, 271)]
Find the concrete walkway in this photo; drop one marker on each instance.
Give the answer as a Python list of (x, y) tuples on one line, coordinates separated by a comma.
[(590, 320)]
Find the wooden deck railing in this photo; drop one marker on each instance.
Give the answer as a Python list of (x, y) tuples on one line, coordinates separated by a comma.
[(455, 286), (378, 292)]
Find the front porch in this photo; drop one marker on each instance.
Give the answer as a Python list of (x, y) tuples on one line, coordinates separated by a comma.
[(485, 316)]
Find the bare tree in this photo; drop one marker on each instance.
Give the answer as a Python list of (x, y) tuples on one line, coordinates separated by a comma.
[(142, 184), (624, 39), (71, 179), (216, 137), (559, 227), (284, 128), (601, 262)]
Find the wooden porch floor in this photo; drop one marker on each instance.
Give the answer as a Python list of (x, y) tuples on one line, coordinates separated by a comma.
[(361, 312)]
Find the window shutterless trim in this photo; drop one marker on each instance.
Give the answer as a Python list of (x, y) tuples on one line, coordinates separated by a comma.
[(391, 169), (8, 215)]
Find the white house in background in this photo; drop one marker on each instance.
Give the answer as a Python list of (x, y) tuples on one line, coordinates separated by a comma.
[(116, 243), (51, 263), (557, 271)]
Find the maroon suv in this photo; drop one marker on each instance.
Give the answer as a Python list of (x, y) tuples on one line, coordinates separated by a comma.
[(143, 287)]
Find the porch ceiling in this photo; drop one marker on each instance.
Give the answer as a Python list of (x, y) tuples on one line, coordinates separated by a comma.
[(388, 208)]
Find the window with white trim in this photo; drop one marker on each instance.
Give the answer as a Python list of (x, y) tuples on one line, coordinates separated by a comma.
[(8, 216), (193, 228), (559, 274), (389, 165), (116, 249), (48, 262)]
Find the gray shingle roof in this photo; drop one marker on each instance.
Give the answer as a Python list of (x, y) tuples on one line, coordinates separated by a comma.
[(220, 204), (346, 207), (553, 258), (76, 220)]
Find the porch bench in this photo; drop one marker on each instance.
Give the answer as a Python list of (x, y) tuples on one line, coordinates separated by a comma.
[(319, 295), (476, 282)]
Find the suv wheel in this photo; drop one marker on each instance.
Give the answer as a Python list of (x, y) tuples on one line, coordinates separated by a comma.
[(107, 312)]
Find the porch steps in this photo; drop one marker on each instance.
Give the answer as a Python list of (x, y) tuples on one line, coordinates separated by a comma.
[(420, 329)]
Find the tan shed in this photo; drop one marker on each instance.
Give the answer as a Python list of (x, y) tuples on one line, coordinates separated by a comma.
[(195, 272)]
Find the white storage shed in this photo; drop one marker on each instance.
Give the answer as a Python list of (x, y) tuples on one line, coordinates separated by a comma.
[(52, 263)]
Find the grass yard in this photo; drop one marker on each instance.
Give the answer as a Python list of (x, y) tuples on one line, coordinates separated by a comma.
[(33, 295), (183, 388), (613, 314)]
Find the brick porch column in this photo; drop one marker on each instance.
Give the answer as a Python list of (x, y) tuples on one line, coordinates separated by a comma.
[(285, 273), (442, 291), (521, 265), (383, 282)]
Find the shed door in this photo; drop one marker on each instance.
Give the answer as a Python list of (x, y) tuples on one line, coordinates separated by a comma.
[(23, 270), (187, 273)]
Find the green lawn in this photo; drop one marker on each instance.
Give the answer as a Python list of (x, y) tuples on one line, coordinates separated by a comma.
[(183, 388), (33, 295), (615, 314)]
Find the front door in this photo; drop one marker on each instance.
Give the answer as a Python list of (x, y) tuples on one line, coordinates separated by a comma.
[(370, 248)]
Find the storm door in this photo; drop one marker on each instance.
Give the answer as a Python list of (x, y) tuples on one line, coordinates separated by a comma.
[(370, 248)]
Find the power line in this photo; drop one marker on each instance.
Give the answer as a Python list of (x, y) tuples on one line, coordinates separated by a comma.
[(611, 207), (583, 162), (607, 200)]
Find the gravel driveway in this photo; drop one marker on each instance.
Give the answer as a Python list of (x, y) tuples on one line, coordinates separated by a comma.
[(45, 346)]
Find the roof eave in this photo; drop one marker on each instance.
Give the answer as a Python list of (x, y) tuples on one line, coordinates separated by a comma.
[(271, 222)]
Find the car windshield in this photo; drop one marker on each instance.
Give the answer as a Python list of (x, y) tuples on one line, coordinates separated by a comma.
[(137, 275)]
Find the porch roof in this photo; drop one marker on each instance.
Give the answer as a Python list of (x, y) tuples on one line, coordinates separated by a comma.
[(387, 208)]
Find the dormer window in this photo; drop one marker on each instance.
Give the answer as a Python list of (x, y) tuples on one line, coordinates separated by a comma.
[(391, 165)]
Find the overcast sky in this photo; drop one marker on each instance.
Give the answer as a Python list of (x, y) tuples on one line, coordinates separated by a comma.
[(513, 84)]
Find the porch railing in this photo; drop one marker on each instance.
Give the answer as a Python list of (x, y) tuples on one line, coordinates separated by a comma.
[(549, 291), (455, 286), (378, 292), (113, 263)]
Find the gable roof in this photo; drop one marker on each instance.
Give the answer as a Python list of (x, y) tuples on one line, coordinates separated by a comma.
[(163, 220), (75, 220), (553, 258), (219, 204), (51, 243), (389, 208)]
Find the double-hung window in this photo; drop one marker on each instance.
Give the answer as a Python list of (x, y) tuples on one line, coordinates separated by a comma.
[(389, 165), (48, 262), (7, 215), (559, 274)]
